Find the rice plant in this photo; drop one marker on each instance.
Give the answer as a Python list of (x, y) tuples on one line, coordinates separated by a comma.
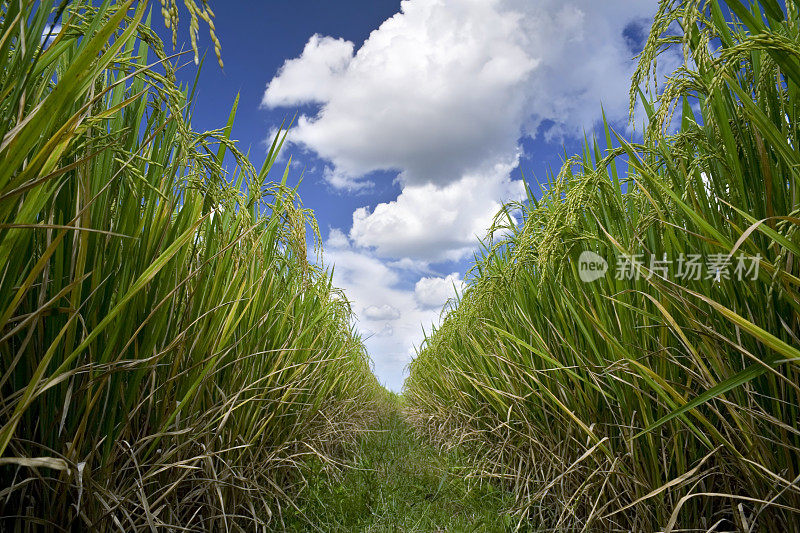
[(168, 353), (650, 401)]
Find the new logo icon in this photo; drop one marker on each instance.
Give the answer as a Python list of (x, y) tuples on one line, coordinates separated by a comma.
[(591, 267)]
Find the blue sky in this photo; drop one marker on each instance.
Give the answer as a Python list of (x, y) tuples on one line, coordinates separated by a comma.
[(416, 120)]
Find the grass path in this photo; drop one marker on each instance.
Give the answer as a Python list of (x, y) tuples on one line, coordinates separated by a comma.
[(398, 483)]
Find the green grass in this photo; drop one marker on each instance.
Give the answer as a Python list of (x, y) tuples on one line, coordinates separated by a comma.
[(395, 481)]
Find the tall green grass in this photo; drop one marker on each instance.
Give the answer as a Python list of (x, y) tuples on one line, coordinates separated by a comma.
[(168, 355), (660, 403)]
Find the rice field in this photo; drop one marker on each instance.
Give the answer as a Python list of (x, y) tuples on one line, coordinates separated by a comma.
[(624, 357), (646, 398), (169, 354)]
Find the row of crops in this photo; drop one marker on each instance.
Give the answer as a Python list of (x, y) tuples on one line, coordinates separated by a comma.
[(169, 355), (587, 366)]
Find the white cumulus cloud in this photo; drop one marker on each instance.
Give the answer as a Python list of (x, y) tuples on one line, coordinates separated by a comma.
[(434, 223), (381, 312), (433, 293), (370, 283), (442, 93), (337, 239), (447, 87), (308, 79)]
